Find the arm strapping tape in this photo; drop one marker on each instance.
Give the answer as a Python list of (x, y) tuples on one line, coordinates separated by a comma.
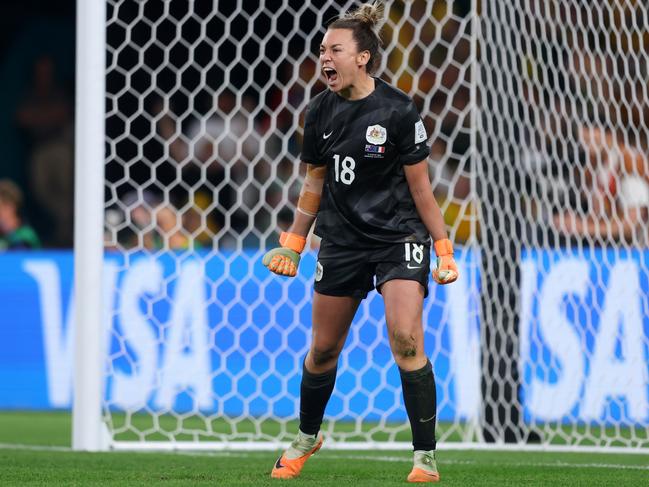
[(311, 192)]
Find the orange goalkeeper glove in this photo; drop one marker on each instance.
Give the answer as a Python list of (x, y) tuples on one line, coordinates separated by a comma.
[(284, 260), (446, 270)]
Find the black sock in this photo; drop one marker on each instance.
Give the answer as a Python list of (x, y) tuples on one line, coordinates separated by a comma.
[(315, 391), (421, 404)]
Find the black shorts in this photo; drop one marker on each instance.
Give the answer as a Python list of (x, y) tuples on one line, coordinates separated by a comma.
[(344, 271)]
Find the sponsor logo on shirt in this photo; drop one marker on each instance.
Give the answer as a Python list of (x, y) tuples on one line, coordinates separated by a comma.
[(376, 135)]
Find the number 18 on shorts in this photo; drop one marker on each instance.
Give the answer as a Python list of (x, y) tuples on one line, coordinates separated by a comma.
[(343, 271)]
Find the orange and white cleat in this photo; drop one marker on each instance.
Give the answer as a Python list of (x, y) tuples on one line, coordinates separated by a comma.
[(290, 464), (425, 467)]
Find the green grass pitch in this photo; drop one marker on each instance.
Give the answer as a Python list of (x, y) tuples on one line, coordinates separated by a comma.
[(35, 451)]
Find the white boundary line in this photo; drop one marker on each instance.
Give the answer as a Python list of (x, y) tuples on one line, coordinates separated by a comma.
[(396, 459), (505, 463), (19, 446), (408, 459), (375, 446), (230, 448)]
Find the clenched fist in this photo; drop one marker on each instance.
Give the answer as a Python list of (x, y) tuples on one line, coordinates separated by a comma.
[(285, 260), (446, 270)]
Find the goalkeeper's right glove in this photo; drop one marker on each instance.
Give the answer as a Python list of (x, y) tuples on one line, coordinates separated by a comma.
[(285, 259)]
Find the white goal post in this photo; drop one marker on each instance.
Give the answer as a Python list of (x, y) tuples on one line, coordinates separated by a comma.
[(87, 426), (188, 116)]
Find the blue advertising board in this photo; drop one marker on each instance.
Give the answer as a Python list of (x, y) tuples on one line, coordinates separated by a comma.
[(220, 334)]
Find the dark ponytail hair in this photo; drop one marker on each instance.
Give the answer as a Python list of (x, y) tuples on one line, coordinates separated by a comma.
[(363, 23)]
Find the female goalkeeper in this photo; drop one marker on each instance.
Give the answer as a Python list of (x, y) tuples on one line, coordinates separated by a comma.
[(367, 182)]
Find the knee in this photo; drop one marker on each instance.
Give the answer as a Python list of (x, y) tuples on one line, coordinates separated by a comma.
[(405, 346), (323, 356)]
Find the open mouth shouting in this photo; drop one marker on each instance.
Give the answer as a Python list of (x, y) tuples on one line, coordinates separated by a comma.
[(331, 74)]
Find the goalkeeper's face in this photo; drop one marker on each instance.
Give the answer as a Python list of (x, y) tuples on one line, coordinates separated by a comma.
[(340, 61)]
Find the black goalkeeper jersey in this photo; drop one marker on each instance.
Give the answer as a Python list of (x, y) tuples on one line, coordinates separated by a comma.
[(365, 144)]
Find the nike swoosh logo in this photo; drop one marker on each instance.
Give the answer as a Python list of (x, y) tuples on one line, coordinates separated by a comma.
[(326, 136), (422, 420), (415, 267), (436, 475), (278, 463)]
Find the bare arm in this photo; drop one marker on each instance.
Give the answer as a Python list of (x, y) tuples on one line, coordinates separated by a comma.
[(301, 224), (285, 259), (422, 194), (445, 270), (613, 227), (309, 202)]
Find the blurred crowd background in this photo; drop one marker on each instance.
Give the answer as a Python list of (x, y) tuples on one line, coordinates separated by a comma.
[(220, 133), (37, 39), (203, 120), (199, 156)]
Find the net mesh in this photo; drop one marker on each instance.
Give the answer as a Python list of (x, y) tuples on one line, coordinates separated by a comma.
[(561, 176), (204, 101)]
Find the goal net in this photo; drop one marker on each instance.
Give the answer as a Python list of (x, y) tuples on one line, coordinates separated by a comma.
[(535, 115), (561, 177)]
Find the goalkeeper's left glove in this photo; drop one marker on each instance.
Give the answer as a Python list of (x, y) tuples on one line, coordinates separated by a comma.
[(446, 270), (285, 259)]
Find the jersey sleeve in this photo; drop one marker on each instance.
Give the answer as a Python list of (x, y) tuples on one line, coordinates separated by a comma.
[(310, 153), (412, 143)]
